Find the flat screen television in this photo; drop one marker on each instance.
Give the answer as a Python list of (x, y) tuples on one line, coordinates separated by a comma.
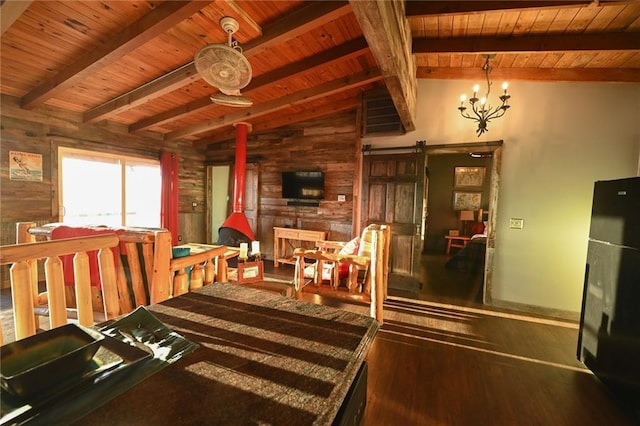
[(303, 185)]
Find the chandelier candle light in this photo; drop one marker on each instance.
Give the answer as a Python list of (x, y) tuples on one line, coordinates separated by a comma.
[(483, 113)]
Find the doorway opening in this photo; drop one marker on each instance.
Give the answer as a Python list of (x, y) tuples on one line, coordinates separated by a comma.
[(457, 284), (218, 183)]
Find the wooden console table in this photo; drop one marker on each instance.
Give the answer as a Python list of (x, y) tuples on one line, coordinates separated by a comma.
[(281, 236), (456, 241)]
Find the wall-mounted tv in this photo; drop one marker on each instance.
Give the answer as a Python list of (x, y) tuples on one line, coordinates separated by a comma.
[(303, 185)]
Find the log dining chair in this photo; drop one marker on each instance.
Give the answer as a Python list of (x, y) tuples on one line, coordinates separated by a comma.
[(367, 269)]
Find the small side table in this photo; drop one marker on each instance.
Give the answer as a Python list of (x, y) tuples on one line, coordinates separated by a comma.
[(456, 242)]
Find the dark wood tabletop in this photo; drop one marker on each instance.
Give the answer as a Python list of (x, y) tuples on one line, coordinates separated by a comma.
[(263, 359)]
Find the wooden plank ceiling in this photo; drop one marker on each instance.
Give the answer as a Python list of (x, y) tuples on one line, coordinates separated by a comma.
[(131, 62)]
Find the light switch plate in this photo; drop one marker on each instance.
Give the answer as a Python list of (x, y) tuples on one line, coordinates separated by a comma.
[(342, 197), (515, 223)]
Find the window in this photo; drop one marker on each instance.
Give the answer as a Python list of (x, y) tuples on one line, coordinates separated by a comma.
[(108, 189)]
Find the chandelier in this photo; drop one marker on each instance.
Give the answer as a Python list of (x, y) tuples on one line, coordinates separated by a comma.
[(482, 111)]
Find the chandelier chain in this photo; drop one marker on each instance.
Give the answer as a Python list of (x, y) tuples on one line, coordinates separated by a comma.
[(487, 70)]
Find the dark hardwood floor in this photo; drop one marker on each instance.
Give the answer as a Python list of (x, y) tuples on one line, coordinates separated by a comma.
[(448, 366), (448, 285), (447, 360)]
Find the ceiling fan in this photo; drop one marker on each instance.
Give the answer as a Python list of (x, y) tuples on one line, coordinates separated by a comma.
[(225, 67)]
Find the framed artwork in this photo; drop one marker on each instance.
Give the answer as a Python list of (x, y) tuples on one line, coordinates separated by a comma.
[(468, 176), (250, 272), (466, 200), (25, 166)]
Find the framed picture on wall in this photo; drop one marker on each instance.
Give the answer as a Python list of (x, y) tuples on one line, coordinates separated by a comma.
[(466, 200), (25, 166), (468, 176)]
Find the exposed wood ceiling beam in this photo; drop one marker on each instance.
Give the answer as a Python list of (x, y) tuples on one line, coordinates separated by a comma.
[(418, 9), (299, 22), (547, 43), (173, 114), (284, 120), (10, 11), (286, 28), (321, 91), (152, 90), (246, 21), (324, 59), (387, 31), (145, 29), (624, 75)]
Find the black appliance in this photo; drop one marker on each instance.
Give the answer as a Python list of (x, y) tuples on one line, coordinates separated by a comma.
[(609, 336)]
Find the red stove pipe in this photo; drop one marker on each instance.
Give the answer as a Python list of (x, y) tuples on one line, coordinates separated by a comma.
[(240, 167), (238, 220)]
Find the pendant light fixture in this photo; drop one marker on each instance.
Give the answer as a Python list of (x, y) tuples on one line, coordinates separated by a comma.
[(482, 111)]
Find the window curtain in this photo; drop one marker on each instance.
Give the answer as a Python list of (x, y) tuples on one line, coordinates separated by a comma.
[(169, 195)]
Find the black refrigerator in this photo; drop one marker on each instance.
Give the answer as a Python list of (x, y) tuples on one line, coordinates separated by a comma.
[(609, 336)]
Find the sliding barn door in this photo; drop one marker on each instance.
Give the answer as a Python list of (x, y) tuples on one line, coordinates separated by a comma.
[(393, 192)]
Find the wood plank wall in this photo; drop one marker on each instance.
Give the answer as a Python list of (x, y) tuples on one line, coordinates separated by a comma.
[(327, 144), (43, 130)]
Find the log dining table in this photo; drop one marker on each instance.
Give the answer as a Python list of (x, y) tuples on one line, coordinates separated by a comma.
[(262, 359)]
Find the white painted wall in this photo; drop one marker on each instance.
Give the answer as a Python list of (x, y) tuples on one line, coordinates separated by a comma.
[(559, 138)]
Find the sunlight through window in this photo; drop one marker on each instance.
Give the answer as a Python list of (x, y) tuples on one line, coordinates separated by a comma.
[(143, 203), (109, 190)]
